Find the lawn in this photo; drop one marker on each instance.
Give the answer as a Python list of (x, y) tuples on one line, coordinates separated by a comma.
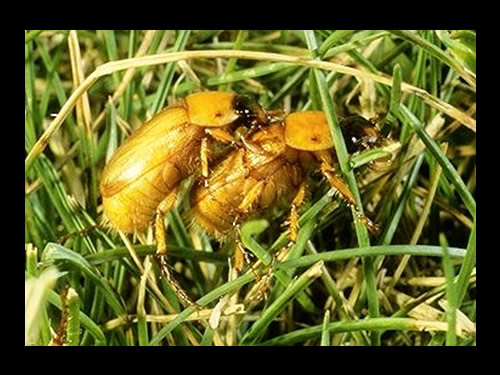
[(411, 284)]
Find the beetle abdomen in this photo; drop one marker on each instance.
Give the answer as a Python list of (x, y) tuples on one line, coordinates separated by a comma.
[(265, 177), (134, 207)]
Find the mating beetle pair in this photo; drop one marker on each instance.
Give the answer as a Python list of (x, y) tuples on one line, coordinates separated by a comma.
[(271, 161)]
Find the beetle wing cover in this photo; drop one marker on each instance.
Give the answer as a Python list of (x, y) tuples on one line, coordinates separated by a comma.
[(147, 148), (308, 131)]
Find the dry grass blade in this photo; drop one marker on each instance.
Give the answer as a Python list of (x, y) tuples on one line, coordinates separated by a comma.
[(137, 62), (421, 222), (82, 105)]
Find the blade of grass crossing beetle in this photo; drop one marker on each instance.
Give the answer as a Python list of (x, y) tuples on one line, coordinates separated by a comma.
[(343, 157)]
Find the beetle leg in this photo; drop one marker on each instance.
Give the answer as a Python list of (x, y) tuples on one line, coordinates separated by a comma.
[(251, 196), (161, 252), (253, 148), (81, 232), (225, 137), (204, 160), (294, 226), (59, 338), (294, 215), (241, 255), (336, 182), (222, 136), (160, 233), (276, 115)]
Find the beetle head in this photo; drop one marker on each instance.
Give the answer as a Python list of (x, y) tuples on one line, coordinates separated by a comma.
[(250, 113), (360, 134)]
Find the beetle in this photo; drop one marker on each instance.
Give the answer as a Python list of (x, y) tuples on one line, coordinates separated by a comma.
[(141, 180), (277, 166)]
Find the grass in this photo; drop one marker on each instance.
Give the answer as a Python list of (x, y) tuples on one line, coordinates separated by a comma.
[(413, 284)]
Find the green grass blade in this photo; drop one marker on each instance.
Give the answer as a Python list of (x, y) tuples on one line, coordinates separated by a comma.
[(343, 157), (336, 255), (367, 157), (451, 310), (142, 250), (293, 82), (253, 228), (73, 330), (391, 227), (168, 74), (437, 153), (32, 34), (231, 63), (467, 266), (35, 299), (463, 46), (334, 38), (360, 38), (56, 254), (286, 277), (277, 306), (86, 323), (208, 337), (206, 299), (395, 99), (436, 52), (142, 326), (372, 324), (325, 334), (239, 75)]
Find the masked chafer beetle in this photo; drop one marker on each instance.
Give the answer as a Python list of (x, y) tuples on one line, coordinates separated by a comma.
[(141, 181), (275, 166)]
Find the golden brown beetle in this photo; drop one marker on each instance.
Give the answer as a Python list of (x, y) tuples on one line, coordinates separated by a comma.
[(276, 166), (142, 178)]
